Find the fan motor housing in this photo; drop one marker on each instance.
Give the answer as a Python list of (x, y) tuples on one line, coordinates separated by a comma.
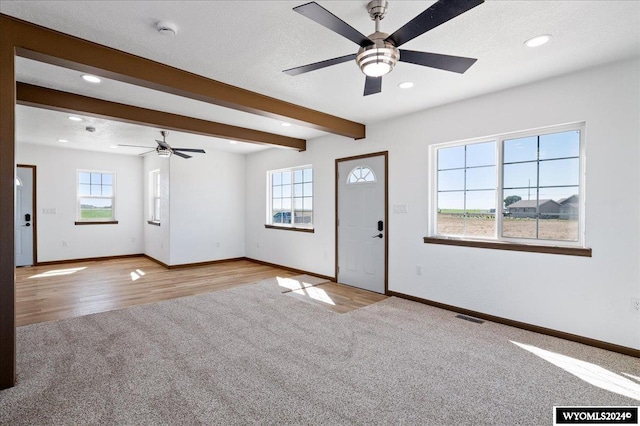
[(379, 58)]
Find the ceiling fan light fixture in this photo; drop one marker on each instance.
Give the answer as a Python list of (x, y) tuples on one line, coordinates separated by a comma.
[(378, 59), (163, 152), (91, 78)]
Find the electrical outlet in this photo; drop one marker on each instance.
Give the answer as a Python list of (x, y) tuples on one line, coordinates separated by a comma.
[(635, 305), (418, 270)]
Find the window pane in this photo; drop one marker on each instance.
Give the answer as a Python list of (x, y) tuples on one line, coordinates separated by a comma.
[(85, 177), (297, 204), (107, 191), (286, 191), (96, 190), (519, 217), (96, 178), (276, 179), (558, 229), (521, 175), (307, 175), (522, 149), (451, 213), (307, 204), (451, 158), (560, 145), (107, 179), (84, 189), (560, 172), (308, 189), (451, 180), (481, 178), (286, 204), (480, 221), (481, 154), (286, 178), (297, 176), (277, 191), (277, 205), (297, 190), (96, 208)]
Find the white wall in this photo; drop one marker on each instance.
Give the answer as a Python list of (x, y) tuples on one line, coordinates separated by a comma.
[(56, 189), (585, 296), (207, 204)]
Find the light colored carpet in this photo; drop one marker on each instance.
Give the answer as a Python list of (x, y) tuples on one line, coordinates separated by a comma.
[(251, 355)]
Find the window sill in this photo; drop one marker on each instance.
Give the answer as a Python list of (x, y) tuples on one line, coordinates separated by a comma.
[(500, 245), (153, 222), (104, 222), (290, 228)]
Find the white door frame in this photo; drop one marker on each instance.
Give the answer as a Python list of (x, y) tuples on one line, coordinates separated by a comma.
[(385, 154), (34, 222)]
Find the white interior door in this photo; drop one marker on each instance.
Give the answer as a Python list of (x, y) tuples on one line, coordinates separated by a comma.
[(362, 227), (24, 216)]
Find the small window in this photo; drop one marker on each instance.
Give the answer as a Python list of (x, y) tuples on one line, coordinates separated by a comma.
[(516, 187), (361, 174), (154, 196), (96, 196), (290, 199)]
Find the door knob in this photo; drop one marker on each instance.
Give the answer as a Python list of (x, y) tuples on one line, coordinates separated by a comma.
[(377, 236)]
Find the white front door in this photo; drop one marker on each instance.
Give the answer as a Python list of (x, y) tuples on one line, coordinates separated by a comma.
[(362, 224), (24, 216)]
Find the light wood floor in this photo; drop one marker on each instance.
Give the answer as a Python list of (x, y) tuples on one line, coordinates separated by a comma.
[(53, 292)]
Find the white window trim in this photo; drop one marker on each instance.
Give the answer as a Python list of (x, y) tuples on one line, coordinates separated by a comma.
[(499, 140), (269, 216), (78, 196)]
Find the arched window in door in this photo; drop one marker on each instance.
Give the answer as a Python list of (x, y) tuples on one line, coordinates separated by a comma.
[(361, 174)]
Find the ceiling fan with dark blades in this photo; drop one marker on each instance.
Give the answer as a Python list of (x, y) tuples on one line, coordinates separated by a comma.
[(379, 51), (165, 150)]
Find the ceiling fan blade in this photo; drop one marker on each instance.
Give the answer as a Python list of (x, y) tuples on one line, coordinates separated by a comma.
[(179, 154), (163, 144), (322, 16), (457, 64), (319, 65), (201, 151), (145, 153), (137, 146), (437, 14), (372, 85)]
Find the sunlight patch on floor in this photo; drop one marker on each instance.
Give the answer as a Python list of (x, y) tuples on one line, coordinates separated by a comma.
[(305, 289), (58, 272), (590, 373), (137, 274), (292, 284)]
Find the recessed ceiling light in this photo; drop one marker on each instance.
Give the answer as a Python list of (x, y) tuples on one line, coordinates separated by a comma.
[(91, 78), (74, 118), (538, 40), (406, 85), (233, 142), (113, 146), (63, 140), (285, 124)]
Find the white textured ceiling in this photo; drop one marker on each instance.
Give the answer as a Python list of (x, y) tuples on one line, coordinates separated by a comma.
[(249, 43)]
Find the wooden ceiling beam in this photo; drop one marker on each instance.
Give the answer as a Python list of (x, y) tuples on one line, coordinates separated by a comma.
[(41, 97), (56, 48)]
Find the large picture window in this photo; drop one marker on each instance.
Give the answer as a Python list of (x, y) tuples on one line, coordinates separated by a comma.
[(290, 199), (96, 196), (517, 187)]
